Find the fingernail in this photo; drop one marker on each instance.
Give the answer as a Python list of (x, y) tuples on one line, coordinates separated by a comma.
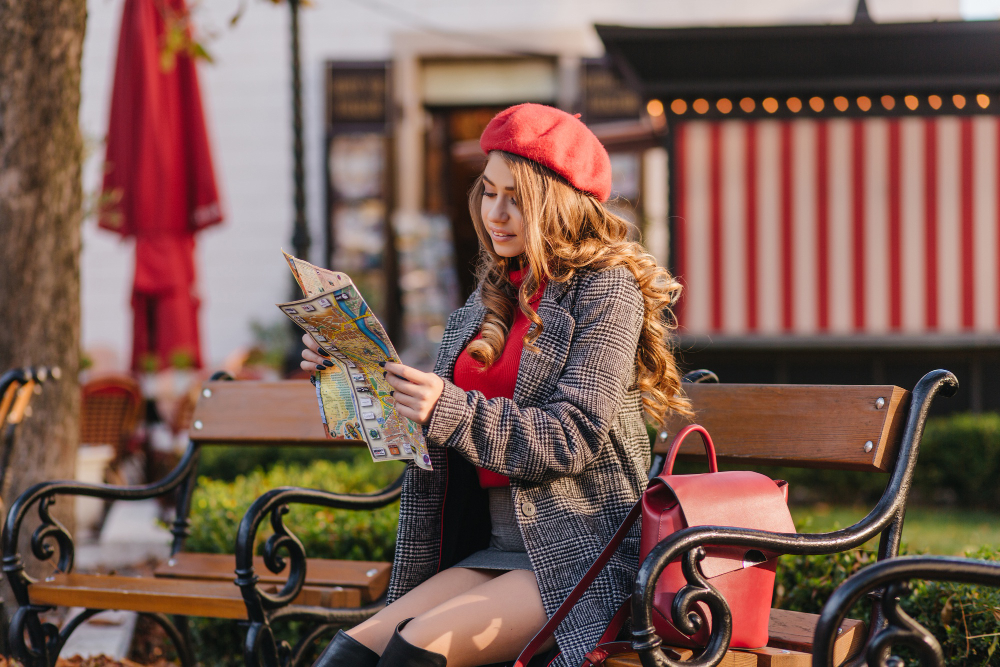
[(384, 373), (382, 364), (328, 363), (324, 352), (392, 393), (320, 367)]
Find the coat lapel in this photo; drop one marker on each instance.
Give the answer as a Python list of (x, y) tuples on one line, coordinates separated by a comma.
[(463, 325), (539, 371)]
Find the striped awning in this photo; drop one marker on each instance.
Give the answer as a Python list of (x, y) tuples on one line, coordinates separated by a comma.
[(826, 226)]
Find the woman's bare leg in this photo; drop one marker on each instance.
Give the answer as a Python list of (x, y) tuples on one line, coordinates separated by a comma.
[(442, 587), (489, 623)]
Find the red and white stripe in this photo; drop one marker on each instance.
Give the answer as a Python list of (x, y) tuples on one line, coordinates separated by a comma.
[(838, 226)]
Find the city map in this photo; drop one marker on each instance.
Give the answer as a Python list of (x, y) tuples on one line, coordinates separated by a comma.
[(355, 400)]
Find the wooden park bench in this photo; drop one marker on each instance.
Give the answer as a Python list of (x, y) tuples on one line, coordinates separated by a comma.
[(869, 428), (875, 429), (327, 592)]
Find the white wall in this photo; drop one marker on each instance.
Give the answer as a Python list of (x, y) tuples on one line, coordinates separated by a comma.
[(246, 94)]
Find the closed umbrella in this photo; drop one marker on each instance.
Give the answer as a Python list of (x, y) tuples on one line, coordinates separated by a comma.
[(159, 184)]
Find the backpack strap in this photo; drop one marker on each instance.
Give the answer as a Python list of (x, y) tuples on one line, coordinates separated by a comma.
[(574, 596)]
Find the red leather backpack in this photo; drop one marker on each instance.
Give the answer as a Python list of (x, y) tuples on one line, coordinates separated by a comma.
[(745, 578)]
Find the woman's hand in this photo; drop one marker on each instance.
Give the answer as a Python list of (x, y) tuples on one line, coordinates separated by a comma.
[(312, 358), (416, 392)]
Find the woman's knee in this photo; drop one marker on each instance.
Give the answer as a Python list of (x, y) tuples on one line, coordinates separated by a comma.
[(495, 618), (439, 589)]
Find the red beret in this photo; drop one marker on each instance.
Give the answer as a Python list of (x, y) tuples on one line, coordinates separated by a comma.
[(554, 139)]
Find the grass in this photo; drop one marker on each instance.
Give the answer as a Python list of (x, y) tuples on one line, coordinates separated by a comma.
[(933, 530)]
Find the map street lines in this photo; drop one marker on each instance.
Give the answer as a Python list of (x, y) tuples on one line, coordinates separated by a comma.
[(356, 401)]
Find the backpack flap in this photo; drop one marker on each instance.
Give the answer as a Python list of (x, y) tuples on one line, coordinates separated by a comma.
[(737, 498)]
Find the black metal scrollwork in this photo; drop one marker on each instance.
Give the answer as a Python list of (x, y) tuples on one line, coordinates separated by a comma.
[(44, 637), (284, 550), (901, 630), (687, 620), (300, 651), (50, 530), (284, 540), (261, 647), (47, 640)]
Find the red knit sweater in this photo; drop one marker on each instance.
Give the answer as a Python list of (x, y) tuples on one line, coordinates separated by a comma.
[(498, 380)]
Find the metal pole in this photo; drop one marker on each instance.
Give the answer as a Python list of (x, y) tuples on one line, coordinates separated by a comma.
[(300, 234), (300, 237), (861, 14)]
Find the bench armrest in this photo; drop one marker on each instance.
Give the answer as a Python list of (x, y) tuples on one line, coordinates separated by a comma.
[(901, 628), (273, 505), (51, 531)]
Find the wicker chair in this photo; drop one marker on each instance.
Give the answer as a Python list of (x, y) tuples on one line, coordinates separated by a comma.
[(110, 412)]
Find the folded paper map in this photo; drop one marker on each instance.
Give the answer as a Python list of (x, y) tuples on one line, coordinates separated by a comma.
[(355, 400)]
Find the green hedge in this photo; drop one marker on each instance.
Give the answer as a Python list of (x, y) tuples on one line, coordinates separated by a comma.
[(960, 456), (959, 463), (218, 506), (964, 618), (227, 462)]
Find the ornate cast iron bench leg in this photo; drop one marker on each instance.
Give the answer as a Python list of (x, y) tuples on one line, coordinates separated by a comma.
[(35, 643), (262, 647)]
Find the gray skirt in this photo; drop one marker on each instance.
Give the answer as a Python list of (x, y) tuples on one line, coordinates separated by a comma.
[(506, 551)]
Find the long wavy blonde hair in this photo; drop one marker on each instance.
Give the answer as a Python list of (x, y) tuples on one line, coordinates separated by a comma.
[(566, 230)]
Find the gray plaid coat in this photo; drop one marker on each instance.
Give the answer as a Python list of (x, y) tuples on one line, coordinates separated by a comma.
[(572, 441)]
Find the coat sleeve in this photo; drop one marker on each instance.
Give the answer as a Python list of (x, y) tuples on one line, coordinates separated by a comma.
[(565, 434)]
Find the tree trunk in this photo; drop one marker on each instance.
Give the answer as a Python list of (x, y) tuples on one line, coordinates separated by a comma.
[(41, 42)]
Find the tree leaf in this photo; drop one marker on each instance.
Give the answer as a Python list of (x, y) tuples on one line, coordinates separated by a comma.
[(199, 52), (947, 613)]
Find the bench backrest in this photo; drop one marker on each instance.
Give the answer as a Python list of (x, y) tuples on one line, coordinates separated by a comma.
[(248, 412), (826, 426)]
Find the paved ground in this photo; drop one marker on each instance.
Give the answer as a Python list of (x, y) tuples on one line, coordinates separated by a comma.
[(130, 537), (131, 534)]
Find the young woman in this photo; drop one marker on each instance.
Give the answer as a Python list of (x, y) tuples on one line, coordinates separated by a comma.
[(533, 415)]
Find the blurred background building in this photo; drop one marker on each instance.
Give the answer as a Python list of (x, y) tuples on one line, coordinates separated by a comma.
[(396, 95)]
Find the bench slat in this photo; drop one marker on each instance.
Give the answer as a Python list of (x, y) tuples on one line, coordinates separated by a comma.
[(369, 577), (260, 413), (209, 599), (798, 425), (794, 630), (789, 644), (765, 657)]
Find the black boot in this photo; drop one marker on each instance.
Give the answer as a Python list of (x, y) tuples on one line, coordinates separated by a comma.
[(345, 651), (401, 653)]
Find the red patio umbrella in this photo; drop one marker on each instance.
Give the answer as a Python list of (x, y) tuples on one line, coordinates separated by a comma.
[(159, 185)]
